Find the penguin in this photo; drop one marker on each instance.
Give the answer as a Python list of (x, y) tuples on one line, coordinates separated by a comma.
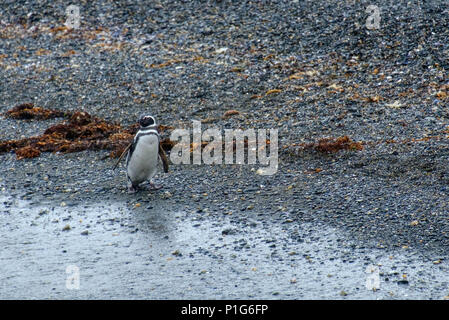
[(143, 154)]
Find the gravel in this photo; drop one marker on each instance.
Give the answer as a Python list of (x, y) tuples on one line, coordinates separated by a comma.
[(311, 69)]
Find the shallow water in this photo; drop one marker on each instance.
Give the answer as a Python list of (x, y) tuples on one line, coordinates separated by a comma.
[(128, 254)]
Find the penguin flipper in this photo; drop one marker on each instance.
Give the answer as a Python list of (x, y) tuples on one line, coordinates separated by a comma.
[(163, 157), (122, 155)]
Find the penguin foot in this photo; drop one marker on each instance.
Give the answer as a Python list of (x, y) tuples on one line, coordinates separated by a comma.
[(132, 189), (153, 186)]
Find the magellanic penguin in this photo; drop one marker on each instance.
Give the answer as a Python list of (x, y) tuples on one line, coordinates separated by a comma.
[(143, 154)]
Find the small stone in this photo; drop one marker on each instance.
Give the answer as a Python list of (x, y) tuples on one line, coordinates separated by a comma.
[(394, 105), (343, 293), (177, 253), (66, 228), (403, 282), (167, 194), (228, 231), (85, 233), (221, 50)]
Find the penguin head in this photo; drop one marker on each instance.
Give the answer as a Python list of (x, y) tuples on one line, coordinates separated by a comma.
[(146, 121)]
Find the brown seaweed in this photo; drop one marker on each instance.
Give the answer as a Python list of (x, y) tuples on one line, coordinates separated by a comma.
[(80, 132), (27, 111)]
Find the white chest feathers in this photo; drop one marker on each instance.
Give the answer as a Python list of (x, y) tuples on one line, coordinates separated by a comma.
[(143, 158)]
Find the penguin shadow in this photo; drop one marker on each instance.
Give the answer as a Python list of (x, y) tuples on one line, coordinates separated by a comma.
[(151, 217), (155, 224), (147, 207)]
